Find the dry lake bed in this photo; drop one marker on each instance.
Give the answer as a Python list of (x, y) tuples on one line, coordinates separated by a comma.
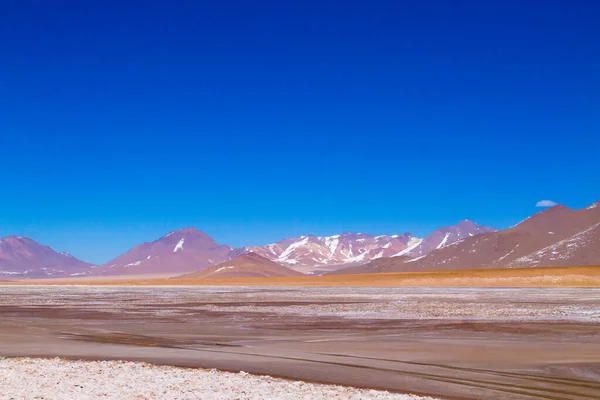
[(450, 343)]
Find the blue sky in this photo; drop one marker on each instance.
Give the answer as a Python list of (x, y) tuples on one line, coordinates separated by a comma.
[(254, 121)]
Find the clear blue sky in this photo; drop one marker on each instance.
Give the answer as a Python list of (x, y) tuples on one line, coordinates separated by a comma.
[(254, 121)]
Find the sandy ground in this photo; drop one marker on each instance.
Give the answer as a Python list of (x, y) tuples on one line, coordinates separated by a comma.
[(27, 378), (452, 343), (588, 276)]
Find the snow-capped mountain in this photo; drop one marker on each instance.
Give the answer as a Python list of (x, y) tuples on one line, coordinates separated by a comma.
[(21, 257), (328, 252), (445, 236), (340, 251), (180, 251)]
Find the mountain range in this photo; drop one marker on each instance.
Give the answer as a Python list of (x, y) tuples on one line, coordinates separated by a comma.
[(188, 250), (557, 236)]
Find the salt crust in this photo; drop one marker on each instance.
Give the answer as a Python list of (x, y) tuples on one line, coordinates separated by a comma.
[(58, 379)]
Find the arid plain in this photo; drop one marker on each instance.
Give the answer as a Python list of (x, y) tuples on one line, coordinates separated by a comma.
[(559, 277), (445, 342)]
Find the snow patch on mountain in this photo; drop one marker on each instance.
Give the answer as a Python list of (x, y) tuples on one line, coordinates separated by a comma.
[(179, 245), (332, 242), (444, 241), (223, 268), (284, 256), (133, 264), (411, 246), (507, 254)]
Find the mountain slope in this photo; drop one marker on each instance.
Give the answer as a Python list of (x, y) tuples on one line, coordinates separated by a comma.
[(184, 250), (21, 257), (582, 248), (556, 236), (445, 236), (245, 266)]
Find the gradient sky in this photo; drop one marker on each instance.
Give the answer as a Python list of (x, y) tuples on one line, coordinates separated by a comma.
[(254, 121)]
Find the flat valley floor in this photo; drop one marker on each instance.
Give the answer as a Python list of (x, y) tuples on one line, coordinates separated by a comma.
[(452, 343)]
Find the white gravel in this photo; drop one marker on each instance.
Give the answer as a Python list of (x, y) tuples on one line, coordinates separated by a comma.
[(50, 379)]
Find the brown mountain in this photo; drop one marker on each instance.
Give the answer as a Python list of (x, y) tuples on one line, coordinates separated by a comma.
[(181, 251), (21, 257), (557, 236), (582, 249), (245, 266)]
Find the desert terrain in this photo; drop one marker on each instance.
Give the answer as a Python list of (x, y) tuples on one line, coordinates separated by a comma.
[(450, 343), (311, 200)]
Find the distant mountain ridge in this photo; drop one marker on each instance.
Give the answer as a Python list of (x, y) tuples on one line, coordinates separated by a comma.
[(188, 250), (22, 257)]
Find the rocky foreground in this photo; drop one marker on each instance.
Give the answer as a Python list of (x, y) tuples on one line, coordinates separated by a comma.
[(30, 378)]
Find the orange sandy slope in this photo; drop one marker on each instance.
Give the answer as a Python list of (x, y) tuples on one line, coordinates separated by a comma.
[(588, 276)]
